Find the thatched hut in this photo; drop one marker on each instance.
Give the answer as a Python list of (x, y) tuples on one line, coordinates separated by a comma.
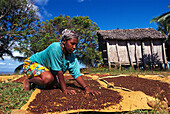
[(134, 47)]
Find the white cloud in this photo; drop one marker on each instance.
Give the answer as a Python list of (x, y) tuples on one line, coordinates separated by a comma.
[(8, 65), (39, 6), (46, 13), (81, 1), (41, 2), (6, 57), (36, 8), (16, 53), (2, 63)]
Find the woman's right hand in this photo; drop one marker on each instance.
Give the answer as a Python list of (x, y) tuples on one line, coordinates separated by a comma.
[(70, 92), (93, 92)]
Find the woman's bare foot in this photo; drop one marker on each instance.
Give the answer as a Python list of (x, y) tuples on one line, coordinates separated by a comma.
[(26, 85)]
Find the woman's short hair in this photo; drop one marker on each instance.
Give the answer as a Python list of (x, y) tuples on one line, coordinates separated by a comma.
[(68, 34)]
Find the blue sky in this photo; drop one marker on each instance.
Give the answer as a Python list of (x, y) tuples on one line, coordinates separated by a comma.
[(108, 14)]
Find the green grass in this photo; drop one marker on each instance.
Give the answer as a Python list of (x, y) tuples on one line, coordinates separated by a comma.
[(12, 96), (130, 71)]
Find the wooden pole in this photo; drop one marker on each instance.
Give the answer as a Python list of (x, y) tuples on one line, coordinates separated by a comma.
[(117, 51), (136, 55), (143, 50), (152, 55), (164, 55), (129, 54), (108, 56)]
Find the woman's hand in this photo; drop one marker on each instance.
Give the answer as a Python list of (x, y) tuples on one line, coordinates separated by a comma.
[(70, 92), (63, 85), (86, 87), (93, 92)]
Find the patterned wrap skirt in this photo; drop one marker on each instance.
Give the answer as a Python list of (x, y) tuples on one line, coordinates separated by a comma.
[(32, 68)]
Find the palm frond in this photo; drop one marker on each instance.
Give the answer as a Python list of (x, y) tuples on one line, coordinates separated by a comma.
[(154, 19), (164, 17)]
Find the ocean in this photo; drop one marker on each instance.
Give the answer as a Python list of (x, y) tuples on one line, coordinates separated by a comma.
[(8, 72)]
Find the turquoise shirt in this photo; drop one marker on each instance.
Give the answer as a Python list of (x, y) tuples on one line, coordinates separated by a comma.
[(53, 58)]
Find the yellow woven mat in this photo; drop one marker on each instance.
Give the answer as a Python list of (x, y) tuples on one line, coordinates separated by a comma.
[(12, 77), (131, 101)]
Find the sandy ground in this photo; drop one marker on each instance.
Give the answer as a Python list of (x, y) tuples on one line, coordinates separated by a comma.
[(9, 78)]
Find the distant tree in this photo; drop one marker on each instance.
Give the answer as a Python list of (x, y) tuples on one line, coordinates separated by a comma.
[(17, 20), (41, 37), (50, 31), (88, 52)]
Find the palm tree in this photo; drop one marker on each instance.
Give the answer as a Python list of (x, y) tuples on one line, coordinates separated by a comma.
[(163, 26), (165, 17), (163, 22)]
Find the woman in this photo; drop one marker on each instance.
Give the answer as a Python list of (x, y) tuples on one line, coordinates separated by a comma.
[(44, 67)]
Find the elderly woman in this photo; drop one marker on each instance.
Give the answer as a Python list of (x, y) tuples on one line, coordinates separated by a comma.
[(44, 67)]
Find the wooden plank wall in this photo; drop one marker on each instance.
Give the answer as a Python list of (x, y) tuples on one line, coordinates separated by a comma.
[(137, 53)]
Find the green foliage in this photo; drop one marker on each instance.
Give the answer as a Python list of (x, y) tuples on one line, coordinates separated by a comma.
[(88, 52), (17, 19), (163, 25), (163, 22), (12, 96), (50, 31)]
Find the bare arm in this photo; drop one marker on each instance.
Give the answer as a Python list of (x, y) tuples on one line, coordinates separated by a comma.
[(61, 80), (81, 81), (63, 84)]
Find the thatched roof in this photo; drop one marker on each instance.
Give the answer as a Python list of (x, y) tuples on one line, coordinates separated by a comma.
[(131, 34)]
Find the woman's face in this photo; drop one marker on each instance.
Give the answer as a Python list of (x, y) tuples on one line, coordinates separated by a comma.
[(70, 45)]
